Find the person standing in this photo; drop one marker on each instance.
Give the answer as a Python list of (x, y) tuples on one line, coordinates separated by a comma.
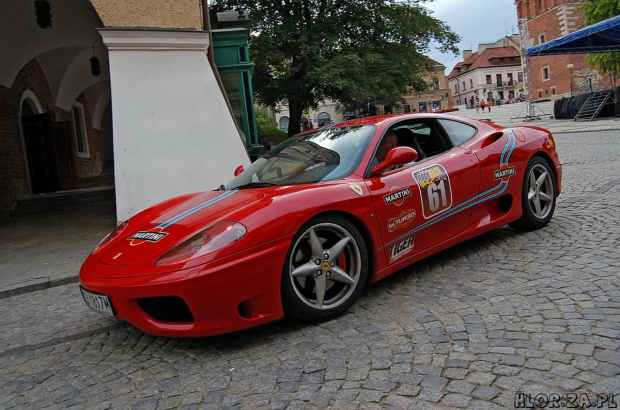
[(482, 104)]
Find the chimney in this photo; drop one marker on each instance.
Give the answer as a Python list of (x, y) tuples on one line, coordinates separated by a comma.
[(467, 54)]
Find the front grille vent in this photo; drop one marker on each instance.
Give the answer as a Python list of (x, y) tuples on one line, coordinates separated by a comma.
[(167, 309)]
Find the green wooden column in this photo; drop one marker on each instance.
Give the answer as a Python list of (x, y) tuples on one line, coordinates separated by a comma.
[(232, 58)]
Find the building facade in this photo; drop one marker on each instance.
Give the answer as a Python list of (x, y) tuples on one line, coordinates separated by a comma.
[(557, 75), (330, 112), (87, 86), (491, 73)]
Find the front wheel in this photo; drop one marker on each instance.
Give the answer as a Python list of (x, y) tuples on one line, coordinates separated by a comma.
[(325, 269), (538, 195)]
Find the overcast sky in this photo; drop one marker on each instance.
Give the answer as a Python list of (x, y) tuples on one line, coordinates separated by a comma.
[(476, 21)]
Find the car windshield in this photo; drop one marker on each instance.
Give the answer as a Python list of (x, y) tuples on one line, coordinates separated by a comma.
[(323, 155)]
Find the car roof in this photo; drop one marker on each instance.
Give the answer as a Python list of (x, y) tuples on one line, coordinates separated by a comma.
[(390, 118)]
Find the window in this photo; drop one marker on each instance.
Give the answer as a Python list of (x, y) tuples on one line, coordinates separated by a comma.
[(79, 130), (459, 132), (471, 83), (499, 79), (456, 88), (323, 119), (545, 73), (243, 56), (284, 123), (435, 84), (464, 88), (489, 80), (541, 38), (520, 77)]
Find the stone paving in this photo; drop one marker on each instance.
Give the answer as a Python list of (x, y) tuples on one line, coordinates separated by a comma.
[(541, 115), (478, 327), (39, 251)]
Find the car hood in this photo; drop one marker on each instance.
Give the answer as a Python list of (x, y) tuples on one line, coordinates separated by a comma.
[(155, 231), (158, 229)]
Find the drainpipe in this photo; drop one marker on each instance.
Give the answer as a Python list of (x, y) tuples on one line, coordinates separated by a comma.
[(206, 26)]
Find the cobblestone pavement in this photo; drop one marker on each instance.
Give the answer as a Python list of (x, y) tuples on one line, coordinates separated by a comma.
[(473, 327)]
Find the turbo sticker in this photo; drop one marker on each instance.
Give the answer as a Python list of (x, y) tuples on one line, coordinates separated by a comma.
[(401, 220), (435, 190), (401, 248), (397, 196)]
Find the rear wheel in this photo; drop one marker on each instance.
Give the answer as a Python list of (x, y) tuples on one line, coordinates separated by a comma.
[(538, 195), (325, 269)]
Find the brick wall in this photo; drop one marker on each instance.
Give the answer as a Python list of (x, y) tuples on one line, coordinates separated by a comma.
[(14, 183), (566, 73)]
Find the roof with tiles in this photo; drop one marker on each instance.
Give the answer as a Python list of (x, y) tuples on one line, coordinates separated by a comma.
[(490, 57)]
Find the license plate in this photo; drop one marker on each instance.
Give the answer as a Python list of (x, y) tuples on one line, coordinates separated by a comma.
[(98, 302)]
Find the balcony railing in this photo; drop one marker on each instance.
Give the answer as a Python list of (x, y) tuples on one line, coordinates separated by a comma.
[(502, 84)]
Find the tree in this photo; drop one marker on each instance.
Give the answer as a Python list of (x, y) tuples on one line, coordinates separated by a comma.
[(349, 51), (595, 11)]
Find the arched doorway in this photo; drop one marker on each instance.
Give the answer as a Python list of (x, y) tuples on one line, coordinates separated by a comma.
[(323, 119), (284, 123), (45, 73), (37, 132)]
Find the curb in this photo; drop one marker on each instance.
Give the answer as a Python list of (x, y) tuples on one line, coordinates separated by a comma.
[(36, 285)]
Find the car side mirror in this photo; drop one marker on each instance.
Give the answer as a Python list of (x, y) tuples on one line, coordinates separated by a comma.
[(396, 157), (239, 170)]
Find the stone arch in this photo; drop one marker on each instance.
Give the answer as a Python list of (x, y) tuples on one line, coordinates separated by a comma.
[(31, 99)]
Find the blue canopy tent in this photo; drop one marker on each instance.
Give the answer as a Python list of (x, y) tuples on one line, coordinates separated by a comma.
[(602, 37)]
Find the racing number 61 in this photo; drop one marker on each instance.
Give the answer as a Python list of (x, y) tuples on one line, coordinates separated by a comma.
[(435, 192), (434, 198)]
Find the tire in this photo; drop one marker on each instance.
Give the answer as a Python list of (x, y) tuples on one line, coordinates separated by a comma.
[(538, 195), (325, 269)]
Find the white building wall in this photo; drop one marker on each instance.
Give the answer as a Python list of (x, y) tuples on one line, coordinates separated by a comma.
[(480, 87), (173, 133), (328, 107)]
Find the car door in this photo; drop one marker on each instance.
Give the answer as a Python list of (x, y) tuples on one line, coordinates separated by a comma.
[(500, 163), (428, 202)]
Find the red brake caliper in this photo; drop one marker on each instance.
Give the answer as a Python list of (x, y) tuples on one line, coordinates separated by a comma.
[(342, 262)]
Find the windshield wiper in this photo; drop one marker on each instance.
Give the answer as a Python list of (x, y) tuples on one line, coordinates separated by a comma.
[(256, 185)]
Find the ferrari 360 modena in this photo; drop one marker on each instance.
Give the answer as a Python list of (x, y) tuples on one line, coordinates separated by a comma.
[(304, 228)]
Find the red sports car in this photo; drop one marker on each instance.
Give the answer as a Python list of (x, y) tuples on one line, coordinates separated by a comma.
[(305, 227)]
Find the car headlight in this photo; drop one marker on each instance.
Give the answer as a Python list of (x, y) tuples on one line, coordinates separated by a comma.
[(214, 237), (117, 231)]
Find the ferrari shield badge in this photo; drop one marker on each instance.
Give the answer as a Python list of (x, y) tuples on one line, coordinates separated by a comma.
[(357, 189)]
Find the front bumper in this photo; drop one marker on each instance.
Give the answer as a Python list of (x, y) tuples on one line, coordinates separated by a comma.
[(232, 293)]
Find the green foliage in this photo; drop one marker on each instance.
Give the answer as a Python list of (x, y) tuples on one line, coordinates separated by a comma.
[(351, 52), (595, 11), (268, 125)]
